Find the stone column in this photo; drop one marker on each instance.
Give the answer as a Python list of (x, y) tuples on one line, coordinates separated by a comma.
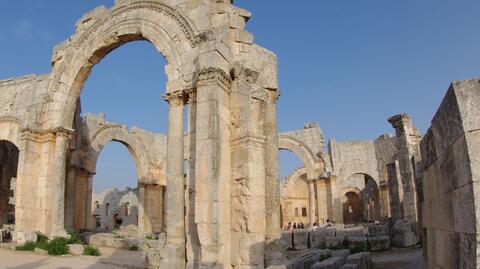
[(141, 210), (311, 202), (274, 249), (88, 203), (408, 141), (58, 183), (213, 167), (175, 190)]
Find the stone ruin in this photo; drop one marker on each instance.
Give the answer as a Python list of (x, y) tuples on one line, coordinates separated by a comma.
[(229, 210)]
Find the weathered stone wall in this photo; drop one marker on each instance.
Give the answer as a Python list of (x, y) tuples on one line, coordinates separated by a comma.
[(450, 168), (108, 203)]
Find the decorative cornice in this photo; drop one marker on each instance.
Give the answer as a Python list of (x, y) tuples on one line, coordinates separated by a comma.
[(175, 15), (214, 75), (45, 135), (243, 73)]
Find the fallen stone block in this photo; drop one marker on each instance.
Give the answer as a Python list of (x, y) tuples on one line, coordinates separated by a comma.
[(357, 243), (40, 251), (76, 249), (300, 239), (331, 263), (342, 254), (317, 239), (334, 242), (404, 240), (379, 243), (363, 260)]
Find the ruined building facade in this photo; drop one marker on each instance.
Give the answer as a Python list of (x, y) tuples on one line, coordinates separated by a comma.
[(223, 207)]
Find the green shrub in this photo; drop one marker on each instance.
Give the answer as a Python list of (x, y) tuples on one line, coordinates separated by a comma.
[(74, 239), (133, 248), (58, 246), (41, 237), (91, 251), (149, 237), (28, 246), (358, 249)]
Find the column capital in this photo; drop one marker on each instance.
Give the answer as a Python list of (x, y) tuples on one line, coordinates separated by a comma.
[(273, 95), (176, 98)]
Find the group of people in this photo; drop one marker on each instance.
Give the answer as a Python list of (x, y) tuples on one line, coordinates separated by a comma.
[(295, 225), (301, 225)]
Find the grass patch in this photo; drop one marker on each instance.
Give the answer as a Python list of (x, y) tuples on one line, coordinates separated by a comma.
[(133, 248), (91, 251), (28, 246), (74, 239), (358, 249), (58, 246)]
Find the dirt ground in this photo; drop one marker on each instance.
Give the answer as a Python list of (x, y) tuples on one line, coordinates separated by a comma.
[(110, 259), (398, 259)]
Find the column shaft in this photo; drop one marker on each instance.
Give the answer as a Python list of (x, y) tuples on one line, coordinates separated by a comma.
[(175, 192), (311, 195), (58, 207)]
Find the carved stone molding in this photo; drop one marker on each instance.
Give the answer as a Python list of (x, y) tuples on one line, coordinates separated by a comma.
[(214, 75), (243, 73), (176, 98), (161, 8), (42, 136)]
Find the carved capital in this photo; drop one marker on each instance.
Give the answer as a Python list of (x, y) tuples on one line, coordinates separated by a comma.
[(212, 75), (191, 96), (273, 95), (176, 98), (399, 120)]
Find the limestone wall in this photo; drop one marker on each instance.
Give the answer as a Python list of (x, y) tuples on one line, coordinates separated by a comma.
[(111, 202), (450, 170), (23, 99)]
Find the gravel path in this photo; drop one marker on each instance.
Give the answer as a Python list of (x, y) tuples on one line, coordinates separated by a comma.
[(110, 259)]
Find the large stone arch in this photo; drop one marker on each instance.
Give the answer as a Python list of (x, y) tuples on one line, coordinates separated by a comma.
[(120, 134), (303, 152), (10, 129), (103, 30)]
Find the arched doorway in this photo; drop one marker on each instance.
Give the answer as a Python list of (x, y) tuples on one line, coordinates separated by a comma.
[(8, 173), (115, 189), (363, 189), (352, 207)]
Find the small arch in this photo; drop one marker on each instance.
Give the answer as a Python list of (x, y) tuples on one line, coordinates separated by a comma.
[(126, 209), (107, 209), (296, 212), (304, 211)]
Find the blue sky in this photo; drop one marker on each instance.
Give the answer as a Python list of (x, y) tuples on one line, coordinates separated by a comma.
[(348, 65)]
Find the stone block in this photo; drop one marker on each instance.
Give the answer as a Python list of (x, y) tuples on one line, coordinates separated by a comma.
[(300, 239), (40, 251), (379, 243), (342, 254), (75, 249), (357, 243), (317, 239), (362, 260), (331, 263), (334, 242), (404, 240)]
